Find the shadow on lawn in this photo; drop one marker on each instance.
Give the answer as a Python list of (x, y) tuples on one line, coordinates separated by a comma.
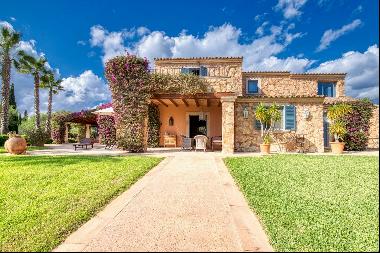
[(47, 161)]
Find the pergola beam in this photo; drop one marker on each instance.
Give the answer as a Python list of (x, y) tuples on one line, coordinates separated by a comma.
[(162, 102), (196, 101), (185, 102), (173, 102)]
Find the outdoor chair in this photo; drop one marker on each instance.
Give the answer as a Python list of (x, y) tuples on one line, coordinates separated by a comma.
[(84, 143), (200, 142), (216, 141), (186, 142)]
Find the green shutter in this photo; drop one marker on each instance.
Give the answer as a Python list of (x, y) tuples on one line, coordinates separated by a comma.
[(290, 117)]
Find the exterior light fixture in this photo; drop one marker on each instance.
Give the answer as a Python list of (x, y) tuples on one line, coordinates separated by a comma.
[(306, 113), (245, 112), (171, 121)]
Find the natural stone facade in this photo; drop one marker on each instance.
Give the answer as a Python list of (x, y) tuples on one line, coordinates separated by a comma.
[(287, 84), (248, 138), (373, 141), (223, 74), (228, 124)]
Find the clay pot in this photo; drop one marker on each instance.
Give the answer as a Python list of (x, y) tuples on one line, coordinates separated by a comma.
[(265, 149), (15, 145), (337, 147)]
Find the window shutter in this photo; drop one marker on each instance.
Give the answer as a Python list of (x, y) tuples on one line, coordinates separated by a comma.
[(203, 71), (320, 89), (290, 117)]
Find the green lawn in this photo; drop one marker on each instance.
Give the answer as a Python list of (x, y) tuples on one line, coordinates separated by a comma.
[(30, 148), (43, 199), (313, 203)]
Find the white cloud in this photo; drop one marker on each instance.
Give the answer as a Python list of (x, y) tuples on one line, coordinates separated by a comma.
[(6, 24), (260, 29), (290, 8), (362, 72), (13, 19), (81, 42), (223, 40), (332, 35)]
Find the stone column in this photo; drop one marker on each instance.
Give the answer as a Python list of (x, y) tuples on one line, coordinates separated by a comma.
[(66, 140), (228, 124), (88, 132)]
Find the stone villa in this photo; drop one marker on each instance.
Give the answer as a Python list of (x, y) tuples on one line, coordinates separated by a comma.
[(227, 109)]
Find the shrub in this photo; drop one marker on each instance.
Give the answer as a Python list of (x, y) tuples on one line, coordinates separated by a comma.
[(37, 137), (357, 123), (3, 139)]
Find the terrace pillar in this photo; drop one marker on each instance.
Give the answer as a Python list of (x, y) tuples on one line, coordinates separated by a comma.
[(228, 124), (66, 139), (88, 132)]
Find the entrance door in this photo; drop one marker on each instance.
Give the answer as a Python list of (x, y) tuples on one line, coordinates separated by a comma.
[(193, 125)]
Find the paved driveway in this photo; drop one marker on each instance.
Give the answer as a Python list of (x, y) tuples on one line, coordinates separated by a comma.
[(188, 203)]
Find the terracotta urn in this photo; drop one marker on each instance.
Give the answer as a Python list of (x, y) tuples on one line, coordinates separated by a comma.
[(15, 145), (265, 149), (337, 147)]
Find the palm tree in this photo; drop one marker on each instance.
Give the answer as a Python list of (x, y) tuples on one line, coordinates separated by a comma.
[(28, 64), (8, 40), (54, 86)]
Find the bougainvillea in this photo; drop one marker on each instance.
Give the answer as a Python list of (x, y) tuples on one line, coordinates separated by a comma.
[(106, 129), (60, 118), (128, 79), (154, 125), (357, 124)]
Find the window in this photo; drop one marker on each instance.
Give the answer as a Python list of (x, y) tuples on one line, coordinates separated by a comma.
[(201, 71), (287, 121), (326, 89), (252, 87)]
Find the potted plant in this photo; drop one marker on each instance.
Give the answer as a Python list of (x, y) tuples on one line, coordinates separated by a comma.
[(336, 114), (267, 116)]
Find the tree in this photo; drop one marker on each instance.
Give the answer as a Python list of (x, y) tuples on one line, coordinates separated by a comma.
[(53, 86), (336, 114), (12, 97), (267, 116), (36, 67), (25, 115), (8, 40)]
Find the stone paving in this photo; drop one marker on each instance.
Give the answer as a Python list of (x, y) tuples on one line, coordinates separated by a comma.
[(187, 203)]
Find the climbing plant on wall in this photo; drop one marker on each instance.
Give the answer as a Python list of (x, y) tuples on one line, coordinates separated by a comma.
[(106, 129), (357, 124), (132, 86), (153, 126), (128, 79)]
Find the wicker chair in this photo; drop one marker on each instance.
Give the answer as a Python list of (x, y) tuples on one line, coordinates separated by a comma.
[(186, 142), (200, 142)]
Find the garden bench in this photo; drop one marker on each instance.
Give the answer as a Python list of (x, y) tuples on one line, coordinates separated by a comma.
[(84, 143)]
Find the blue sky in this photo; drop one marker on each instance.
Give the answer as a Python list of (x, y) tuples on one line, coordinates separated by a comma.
[(296, 35)]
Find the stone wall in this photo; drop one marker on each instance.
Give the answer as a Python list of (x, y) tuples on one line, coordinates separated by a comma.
[(286, 84), (228, 124), (223, 75), (247, 138), (373, 141)]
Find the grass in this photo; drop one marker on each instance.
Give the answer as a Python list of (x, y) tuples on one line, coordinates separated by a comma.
[(30, 148), (43, 199), (313, 203)]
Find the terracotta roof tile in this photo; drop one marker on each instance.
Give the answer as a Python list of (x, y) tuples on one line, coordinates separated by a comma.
[(199, 58)]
